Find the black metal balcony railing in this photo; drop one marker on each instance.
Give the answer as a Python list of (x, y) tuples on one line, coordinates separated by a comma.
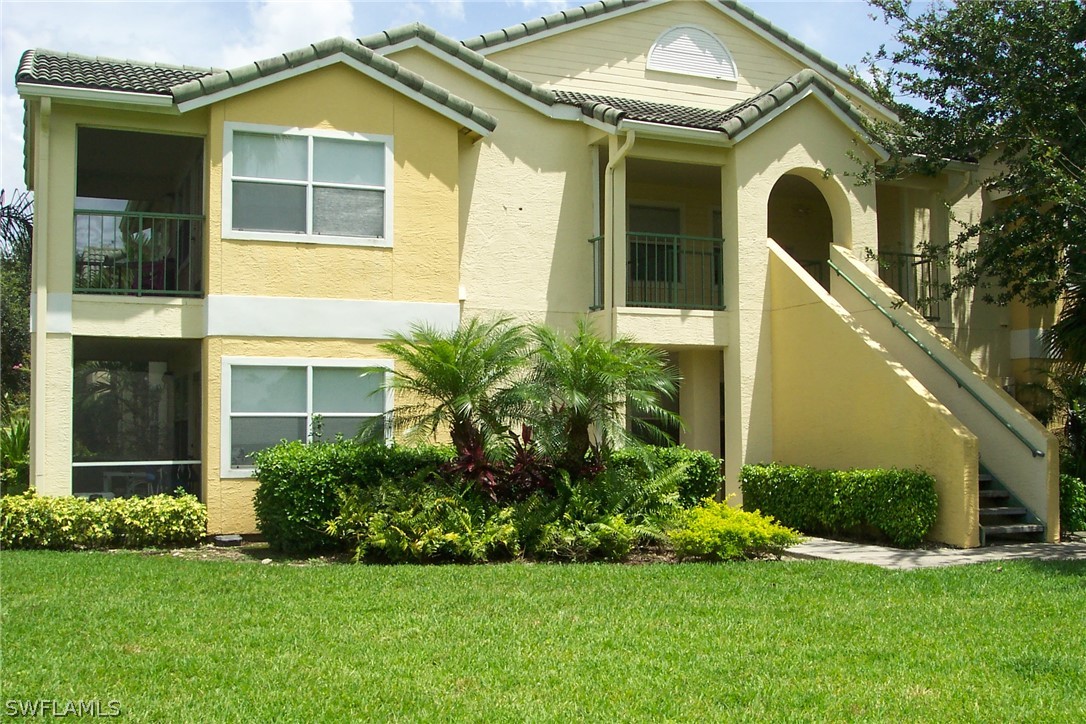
[(597, 273), (916, 278), (674, 271), (138, 254)]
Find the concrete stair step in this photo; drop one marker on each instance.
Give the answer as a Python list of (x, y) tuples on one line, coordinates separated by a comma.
[(1012, 529), (1007, 510)]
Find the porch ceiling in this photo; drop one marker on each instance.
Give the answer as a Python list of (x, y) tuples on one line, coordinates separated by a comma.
[(666, 173)]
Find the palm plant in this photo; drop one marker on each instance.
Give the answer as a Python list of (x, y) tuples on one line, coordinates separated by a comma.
[(16, 234), (465, 378), (1066, 339), (582, 387)]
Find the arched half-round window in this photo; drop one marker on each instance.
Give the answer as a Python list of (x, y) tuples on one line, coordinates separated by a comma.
[(691, 51)]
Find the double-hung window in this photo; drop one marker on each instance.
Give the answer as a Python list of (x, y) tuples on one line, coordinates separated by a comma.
[(307, 185), (268, 400)]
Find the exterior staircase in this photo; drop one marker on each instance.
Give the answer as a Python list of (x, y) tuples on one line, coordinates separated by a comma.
[(1003, 518)]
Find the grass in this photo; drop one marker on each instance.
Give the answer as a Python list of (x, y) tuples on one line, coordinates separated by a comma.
[(187, 640)]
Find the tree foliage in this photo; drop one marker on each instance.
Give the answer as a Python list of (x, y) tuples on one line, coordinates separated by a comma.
[(1000, 80), (16, 234)]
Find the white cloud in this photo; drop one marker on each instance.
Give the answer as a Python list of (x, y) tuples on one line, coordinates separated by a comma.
[(452, 9), (544, 7), (11, 144), (276, 27)]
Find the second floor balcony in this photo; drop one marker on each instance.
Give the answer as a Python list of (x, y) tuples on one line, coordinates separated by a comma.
[(667, 271), (916, 278), (138, 222)]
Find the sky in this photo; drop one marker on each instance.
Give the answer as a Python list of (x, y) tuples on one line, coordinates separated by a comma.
[(228, 34)]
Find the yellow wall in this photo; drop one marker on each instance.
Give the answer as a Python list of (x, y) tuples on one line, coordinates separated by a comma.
[(421, 265), (915, 211), (840, 401), (526, 207)]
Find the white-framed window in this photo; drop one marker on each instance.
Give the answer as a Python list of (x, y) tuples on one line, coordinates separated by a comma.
[(268, 399), (308, 185), (690, 50)]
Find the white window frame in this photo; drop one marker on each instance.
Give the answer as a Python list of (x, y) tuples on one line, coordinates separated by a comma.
[(228, 230), (226, 469)]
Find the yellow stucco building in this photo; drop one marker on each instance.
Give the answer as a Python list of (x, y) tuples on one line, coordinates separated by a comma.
[(219, 253)]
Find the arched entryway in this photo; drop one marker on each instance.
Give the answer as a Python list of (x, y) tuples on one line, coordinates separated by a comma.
[(801, 222)]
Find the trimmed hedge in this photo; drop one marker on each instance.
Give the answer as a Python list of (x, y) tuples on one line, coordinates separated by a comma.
[(1072, 504), (701, 478), (66, 523), (899, 504), (299, 484)]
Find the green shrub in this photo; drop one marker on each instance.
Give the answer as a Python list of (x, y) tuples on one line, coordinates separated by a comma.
[(299, 483), (1072, 504), (701, 470), (15, 453), (423, 520), (718, 532), (30, 521), (898, 504), (572, 538)]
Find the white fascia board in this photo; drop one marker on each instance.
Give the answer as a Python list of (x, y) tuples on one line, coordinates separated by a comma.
[(566, 27), (803, 59), (829, 105), (308, 318), (350, 62), (701, 136), (950, 164), (95, 96), (591, 122)]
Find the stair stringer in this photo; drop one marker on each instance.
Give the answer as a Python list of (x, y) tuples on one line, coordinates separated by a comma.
[(1032, 477)]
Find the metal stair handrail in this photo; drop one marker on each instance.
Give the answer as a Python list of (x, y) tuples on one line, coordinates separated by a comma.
[(942, 365)]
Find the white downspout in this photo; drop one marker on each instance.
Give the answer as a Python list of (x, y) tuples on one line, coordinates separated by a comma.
[(612, 223)]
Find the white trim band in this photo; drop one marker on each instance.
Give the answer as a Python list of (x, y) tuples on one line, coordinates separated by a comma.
[(245, 316)]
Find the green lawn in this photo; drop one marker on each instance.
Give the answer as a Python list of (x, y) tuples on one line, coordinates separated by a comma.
[(189, 640)]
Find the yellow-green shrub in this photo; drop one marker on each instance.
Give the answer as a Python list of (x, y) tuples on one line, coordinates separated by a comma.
[(718, 532), (32, 521)]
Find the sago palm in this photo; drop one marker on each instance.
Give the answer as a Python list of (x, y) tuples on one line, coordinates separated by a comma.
[(464, 379), (583, 386)]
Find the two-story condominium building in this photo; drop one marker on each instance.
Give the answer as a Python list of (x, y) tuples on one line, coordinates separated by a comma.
[(218, 253)]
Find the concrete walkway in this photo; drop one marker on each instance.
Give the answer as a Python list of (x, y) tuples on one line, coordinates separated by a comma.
[(909, 560)]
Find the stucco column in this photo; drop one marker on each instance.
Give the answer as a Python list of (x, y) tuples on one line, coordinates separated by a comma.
[(699, 399), (37, 302), (748, 368), (51, 313), (53, 407)]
